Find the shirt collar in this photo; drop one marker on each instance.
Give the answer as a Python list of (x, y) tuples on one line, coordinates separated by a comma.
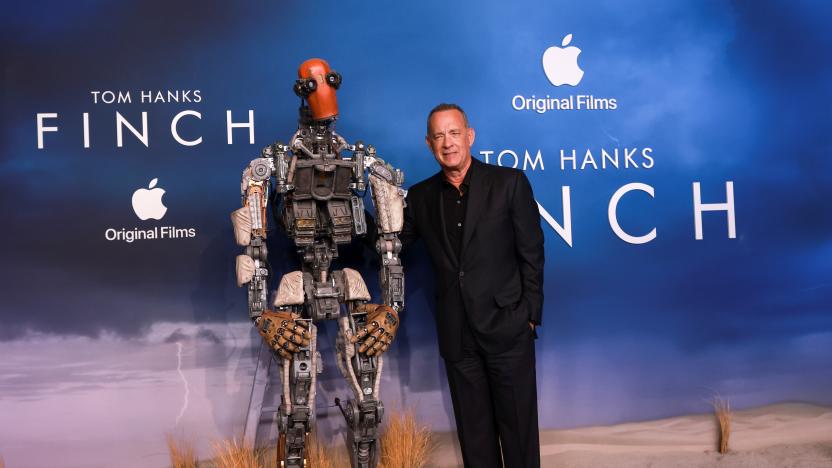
[(466, 181)]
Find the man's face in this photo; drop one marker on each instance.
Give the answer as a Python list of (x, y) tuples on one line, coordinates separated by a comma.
[(450, 140)]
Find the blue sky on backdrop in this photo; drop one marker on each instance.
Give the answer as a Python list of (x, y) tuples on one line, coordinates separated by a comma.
[(720, 91)]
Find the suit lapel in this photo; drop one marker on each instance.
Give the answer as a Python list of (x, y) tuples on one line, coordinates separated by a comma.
[(479, 187)]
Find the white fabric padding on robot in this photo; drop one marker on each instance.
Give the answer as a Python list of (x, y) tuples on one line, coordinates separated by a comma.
[(241, 219), (290, 291), (356, 288), (245, 269), (389, 203)]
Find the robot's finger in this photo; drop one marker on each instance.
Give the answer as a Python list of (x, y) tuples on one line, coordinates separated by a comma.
[(300, 340), (293, 337), (286, 344), (358, 335), (379, 347), (369, 329), (284, 354), (378, 334), (367, 344), (303, 324)]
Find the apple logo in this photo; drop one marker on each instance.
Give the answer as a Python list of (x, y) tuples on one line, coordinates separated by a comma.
[(561, 64), (148, 203)]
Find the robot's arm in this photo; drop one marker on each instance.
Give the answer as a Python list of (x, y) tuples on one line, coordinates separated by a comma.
[(250, 230), (279, 328), (388, 198)]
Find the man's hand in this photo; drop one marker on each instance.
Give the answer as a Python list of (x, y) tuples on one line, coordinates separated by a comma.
[(382, 323), (283, 332)]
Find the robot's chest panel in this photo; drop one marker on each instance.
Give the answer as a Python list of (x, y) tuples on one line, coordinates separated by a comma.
[(309, 219), (322, 180), (320, 206)]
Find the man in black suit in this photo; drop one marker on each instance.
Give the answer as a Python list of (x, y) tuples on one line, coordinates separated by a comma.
[(482, 230)]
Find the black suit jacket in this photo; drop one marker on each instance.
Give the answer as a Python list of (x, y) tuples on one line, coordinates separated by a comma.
[(496, 284)]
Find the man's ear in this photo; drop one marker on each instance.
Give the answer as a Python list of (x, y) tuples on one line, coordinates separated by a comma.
[(427, 142), (471, 136)]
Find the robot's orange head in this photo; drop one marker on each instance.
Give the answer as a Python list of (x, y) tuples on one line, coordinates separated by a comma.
[(317, 84)]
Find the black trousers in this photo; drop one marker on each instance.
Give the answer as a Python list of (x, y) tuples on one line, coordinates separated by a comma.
[(495, 405)]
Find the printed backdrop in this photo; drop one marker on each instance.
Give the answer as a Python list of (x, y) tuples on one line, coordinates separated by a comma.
[(679, 152)]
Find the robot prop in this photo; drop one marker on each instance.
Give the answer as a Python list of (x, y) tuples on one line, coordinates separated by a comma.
[(315, 193)]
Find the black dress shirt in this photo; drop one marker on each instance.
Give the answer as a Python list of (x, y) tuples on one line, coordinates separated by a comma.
[(454, 203)]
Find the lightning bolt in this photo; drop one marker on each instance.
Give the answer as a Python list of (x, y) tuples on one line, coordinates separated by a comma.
[(184, 381)]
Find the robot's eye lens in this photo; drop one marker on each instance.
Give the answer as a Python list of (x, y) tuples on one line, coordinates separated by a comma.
[(333, 79), (298, 88), (305, 87)]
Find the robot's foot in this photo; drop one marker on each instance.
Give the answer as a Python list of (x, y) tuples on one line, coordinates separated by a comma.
[(363, 420), (291, 451), (365, 455)]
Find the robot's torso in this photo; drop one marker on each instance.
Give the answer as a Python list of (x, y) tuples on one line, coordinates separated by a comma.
[(317, 197)]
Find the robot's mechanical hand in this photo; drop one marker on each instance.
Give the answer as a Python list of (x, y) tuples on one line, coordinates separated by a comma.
[(283, 332), (382, 323)]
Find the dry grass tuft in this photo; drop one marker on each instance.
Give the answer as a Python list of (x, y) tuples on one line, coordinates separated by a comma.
[(182, 453), (319, 455), (235, 453), (268, 457), (722, 411), (405, 443)]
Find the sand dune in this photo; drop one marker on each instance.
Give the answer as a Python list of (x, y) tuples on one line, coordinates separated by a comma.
[(782, 435)]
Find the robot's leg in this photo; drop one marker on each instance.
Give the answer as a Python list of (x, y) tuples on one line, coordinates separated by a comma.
[(364, 411), (297, 408)]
